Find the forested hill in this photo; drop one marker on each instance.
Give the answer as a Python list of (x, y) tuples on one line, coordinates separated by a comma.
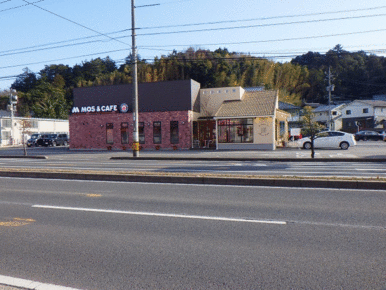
[(356, 75), (48, 93)]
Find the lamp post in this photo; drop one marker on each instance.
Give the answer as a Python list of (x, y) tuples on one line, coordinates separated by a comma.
[(12, 102), (134, 84)]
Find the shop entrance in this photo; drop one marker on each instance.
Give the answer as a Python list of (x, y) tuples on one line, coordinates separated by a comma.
[(204, 134)]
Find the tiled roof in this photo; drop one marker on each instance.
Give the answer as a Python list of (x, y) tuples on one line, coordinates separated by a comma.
[(252, 104), (374, 103), (254, 89), (325, 108), (287, 106)]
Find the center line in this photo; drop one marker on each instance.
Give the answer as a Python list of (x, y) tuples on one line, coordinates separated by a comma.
[(244, 220)]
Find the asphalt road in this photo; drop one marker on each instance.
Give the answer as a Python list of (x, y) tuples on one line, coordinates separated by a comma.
[(111, 235), (61, 158), (270, 168)]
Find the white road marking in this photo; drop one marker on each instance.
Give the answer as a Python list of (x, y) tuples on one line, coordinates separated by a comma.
[(244, 220), (28, 284), (370, 169)]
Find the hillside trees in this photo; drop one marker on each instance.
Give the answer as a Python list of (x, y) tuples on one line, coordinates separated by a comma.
[(357, 75)]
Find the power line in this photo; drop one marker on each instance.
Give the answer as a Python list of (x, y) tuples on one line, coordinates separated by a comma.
[(273, 40), (40, 62), (194, 24), (76, 23), (260, 25), (58, 42), (16, 7), (184, 45), (264, 18), (5, 1)]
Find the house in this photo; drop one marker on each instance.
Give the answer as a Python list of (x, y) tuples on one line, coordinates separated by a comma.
[(329, 115), (176, 115), (295, 120), (364, 115), (12, 134)]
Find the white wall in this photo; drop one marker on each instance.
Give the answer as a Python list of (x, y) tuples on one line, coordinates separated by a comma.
[(211, 99), (43, 125), (356, 109)]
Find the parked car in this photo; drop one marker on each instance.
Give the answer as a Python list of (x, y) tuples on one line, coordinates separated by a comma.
[(329, 139), (383, 133), (368, 135), (32, 141), (53, 140)]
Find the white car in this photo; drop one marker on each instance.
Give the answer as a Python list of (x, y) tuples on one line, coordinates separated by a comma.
[(329, 139)]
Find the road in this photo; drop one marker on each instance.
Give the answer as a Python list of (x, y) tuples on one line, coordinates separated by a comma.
[(111, 235)]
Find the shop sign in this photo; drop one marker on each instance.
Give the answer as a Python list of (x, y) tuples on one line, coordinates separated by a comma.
[(94, 109), (124, 108)]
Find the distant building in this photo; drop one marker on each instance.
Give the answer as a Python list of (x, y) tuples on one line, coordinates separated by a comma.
[(364, 115), (329, 115), (29, 126), (295, 120)]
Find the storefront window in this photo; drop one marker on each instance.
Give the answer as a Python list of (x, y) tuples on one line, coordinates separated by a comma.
[(157, 137), (174, 139), (125, 133), (141, 132), (235, 131), (109, 133)]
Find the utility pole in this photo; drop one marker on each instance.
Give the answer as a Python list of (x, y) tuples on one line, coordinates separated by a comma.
[(330, 88), (12, 102), (134, 84)]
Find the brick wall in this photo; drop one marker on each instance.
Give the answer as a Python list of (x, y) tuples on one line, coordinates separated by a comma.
[(88, 131)]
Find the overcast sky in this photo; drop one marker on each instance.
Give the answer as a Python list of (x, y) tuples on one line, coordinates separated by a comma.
[(71, 31)]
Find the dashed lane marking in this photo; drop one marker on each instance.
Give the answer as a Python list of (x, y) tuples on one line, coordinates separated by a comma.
[(155, 214), (16, 222)]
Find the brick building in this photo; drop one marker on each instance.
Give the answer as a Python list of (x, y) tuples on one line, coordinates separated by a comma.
[(101, 117)]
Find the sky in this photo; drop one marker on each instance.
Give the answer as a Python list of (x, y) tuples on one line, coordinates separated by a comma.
[(38, 33)]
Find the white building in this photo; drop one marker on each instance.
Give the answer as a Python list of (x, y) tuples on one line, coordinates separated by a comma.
[(329, 114), (12, 134), (364, 115)]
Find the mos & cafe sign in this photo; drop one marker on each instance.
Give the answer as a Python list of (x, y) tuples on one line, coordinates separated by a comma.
[(123, 108)]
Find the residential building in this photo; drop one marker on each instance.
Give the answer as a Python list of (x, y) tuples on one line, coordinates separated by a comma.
[(364, 115), (329, 115), (295, 120)]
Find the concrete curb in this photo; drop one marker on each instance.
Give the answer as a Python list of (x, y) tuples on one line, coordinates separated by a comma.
[(296, 182), (372, 160), (22, 156)]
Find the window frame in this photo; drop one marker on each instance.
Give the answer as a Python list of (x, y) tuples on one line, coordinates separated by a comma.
[(141, 132), (125, 133), (174, 133), (110, 133), (157, 134)]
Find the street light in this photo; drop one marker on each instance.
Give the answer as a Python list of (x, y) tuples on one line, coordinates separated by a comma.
[(12, 102)]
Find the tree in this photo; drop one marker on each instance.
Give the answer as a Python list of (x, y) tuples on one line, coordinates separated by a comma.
[(48, 101), (25, 82), (26, 125), (310, 127)]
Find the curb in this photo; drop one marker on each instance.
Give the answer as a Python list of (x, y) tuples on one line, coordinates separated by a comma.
[(22, 156), (372, 160), (307, 183)]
